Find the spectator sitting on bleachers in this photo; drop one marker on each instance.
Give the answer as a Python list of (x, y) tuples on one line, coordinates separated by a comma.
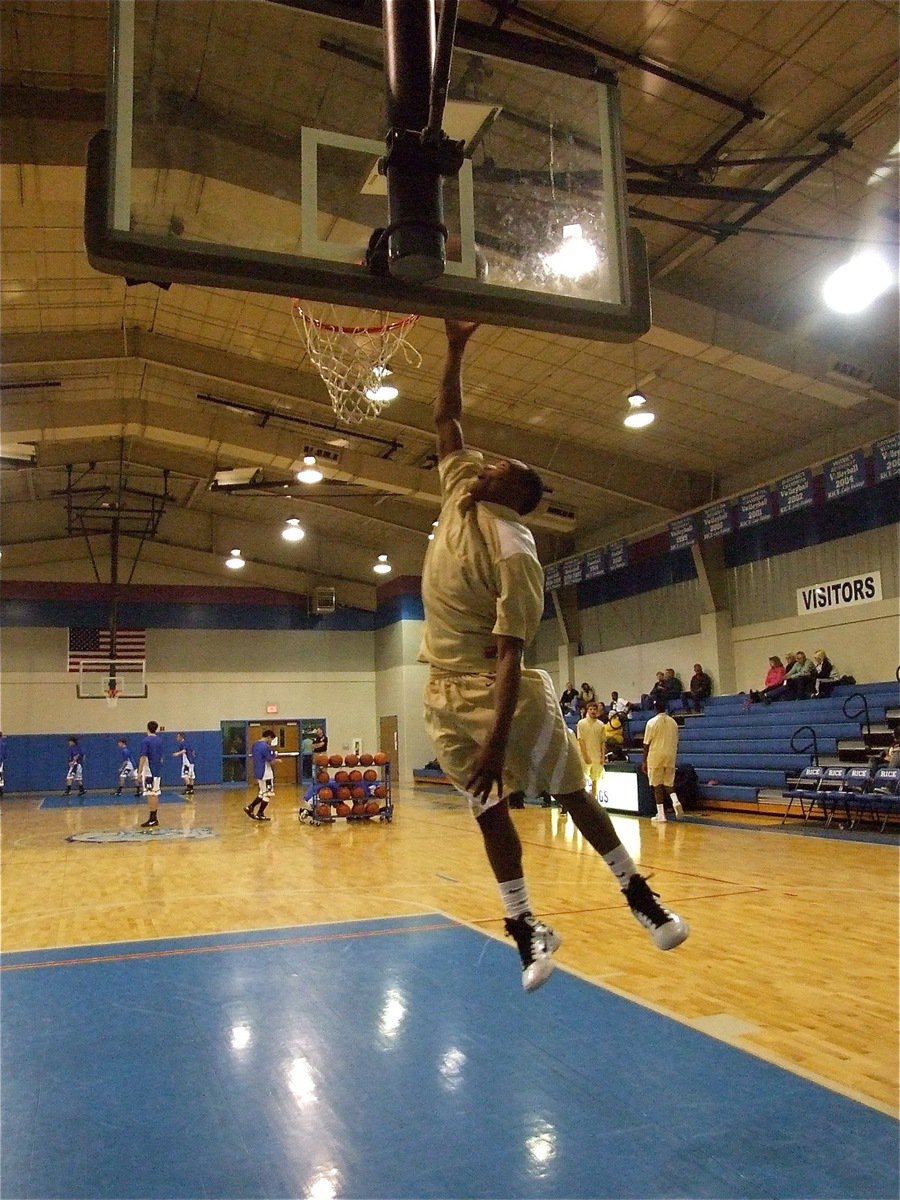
[(826, 675), (587, 696), (569, 694), (657, 692), (622, 707), (798, 681), (888, 756), (699, 689), (672, 685), (774, 677)]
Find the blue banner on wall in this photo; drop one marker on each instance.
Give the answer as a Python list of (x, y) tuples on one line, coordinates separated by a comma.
[(844, 475), (572, 571), (795, 491), (682, 533), (617, 555), (886, 457), (754, 508), (552, 577), (595, 564), (717, 520)]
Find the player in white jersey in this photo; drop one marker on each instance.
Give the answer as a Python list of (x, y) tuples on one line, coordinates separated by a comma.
[(496, 725)]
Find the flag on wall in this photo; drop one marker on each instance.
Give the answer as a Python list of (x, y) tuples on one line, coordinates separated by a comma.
[(91, 647)]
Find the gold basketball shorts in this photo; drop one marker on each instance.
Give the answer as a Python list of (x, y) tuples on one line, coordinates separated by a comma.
[(661, 775), (541, 754)]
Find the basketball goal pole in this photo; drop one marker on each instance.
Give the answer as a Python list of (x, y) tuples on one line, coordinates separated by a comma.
[(418, 154)]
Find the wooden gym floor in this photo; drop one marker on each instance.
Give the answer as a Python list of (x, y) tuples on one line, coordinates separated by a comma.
[(793, 954)]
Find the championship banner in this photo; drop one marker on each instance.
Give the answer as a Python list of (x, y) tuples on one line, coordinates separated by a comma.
[(717, 520), (754, 508), (844, 475), (886, 458), (682, 533), (795, 492)]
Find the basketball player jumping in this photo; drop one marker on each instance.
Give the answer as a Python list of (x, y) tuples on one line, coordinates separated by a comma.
[(495, 724)]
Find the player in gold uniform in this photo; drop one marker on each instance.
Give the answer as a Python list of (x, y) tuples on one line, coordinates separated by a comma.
[(497, 726)]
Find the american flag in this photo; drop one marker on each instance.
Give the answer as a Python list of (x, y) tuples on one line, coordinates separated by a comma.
[(91, 647)]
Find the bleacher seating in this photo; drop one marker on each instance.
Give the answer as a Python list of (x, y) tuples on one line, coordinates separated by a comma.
[(739, 749)]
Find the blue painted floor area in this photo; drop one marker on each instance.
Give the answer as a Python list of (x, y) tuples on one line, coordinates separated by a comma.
[(391, 1058), (104, 800)]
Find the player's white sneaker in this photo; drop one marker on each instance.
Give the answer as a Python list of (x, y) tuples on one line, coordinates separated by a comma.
[(536, 943), (667, 929), (659, 820)]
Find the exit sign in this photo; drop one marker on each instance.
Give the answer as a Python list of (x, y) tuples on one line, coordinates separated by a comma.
[(271, 710)]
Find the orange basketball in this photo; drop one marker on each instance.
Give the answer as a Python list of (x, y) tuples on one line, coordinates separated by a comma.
[(366, 760), (335, 761), (343, 810), (326, 794), (350, 760), (343, 794), (373, 807), (370, 776), (358, 792), (355, 776), (342, 777), (380, 791), (359, 810), (320, 760), (322, 776), (380, 758), (323, 810)]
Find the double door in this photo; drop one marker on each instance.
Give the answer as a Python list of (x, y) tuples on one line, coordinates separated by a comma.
[(286, 767)]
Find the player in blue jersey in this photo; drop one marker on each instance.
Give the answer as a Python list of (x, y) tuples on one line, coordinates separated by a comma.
[(127, 769), (263, 753), (188, 756), (150, 771), (75, 771)]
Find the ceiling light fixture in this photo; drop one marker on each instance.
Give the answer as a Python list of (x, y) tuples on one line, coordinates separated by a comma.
[(382, 567), (637, 417), (235, 561), (384, 392), (293, 532), (858, 283), (310, 472), (575, 257)]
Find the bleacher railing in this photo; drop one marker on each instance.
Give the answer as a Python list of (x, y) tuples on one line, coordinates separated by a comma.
[(812, 744), (862, 711)]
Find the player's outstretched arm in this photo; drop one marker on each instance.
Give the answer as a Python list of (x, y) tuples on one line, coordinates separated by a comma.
[(448, 403)]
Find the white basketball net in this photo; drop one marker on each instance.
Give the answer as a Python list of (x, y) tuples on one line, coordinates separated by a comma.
[(351, 349)]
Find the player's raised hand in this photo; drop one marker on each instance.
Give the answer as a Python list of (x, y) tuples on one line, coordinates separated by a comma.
[(459, 332)]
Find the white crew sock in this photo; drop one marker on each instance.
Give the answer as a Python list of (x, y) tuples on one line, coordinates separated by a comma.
[(514, 895), (661, 811), (621, 864)]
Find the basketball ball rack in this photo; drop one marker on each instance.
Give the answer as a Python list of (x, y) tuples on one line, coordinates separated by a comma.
[(352, 788)]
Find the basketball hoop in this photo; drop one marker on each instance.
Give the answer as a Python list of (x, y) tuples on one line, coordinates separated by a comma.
[(351, 349), (112, 697)]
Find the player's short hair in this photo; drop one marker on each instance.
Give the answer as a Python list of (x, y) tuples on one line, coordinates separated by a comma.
[(270, 733), (532, 490), (661, 705), (152, 726)]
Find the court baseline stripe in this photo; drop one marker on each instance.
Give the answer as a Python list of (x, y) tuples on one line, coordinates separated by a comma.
[(174, 952)]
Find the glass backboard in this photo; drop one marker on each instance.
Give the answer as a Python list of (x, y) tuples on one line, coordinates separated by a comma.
[(242, 151)]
